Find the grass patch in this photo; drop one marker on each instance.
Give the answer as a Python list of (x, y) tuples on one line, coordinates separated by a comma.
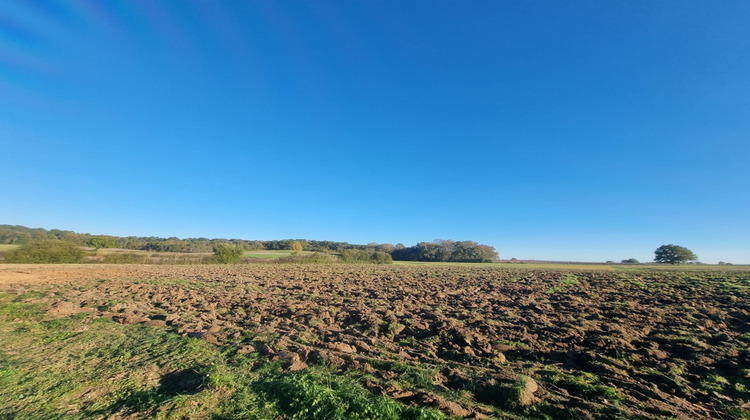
[(553, 290), (570, 280), (714, 383), (77, 367), (584, 384), (13, 307), (271, 255), (323, 395)]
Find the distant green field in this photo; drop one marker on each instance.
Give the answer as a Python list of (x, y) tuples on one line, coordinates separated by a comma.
[(6, 247)]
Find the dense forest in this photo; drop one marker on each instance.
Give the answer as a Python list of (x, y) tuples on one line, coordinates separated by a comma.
[(438, 250)]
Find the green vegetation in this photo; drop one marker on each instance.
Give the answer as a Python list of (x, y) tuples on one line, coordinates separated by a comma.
[(227, 254), (360, 256), (673, 254), (103, 241), (46, 252), (570, 280), (268, 255), (310, 258), (326, 395), (630, 261), (4, 249), (11, 234), (582, 383), (446, 251), (137, 371)]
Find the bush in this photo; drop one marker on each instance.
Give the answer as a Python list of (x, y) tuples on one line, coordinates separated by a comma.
[(367, 257), (46, 252), (227, 254)]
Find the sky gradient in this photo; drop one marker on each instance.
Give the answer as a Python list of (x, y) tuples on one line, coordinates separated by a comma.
[(585, 130)]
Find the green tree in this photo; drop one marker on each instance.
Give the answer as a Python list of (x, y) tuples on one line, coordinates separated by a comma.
[(50, 251), (630, 261), (227, 254), (674, 254), (102, 242), (365, 256), (446, 250)]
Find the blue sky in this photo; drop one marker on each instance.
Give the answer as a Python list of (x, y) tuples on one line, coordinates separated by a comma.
[(582, 130)]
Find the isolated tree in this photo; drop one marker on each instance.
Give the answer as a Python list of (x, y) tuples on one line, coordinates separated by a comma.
[(674, 254), (296, 247), (630, 261)]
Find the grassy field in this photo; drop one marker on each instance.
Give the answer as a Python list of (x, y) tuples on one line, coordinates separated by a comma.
[(270, 255), (6, 247), (422, 341)]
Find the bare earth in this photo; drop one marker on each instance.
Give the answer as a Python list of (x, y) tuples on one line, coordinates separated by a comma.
[(636, 344)]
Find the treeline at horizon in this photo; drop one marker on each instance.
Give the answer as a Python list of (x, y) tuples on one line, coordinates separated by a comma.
[(436, 251)]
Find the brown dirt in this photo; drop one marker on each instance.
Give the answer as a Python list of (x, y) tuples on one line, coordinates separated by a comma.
[(653, 338)]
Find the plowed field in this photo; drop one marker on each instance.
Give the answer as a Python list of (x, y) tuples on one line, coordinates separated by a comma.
[(470, 341)]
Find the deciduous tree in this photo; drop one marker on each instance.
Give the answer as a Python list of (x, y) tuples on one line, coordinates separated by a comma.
[(674, 254)]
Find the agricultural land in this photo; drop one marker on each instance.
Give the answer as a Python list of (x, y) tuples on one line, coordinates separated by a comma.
[(422, 341)]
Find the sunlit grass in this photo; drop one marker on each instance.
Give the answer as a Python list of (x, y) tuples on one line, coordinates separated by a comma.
[(270, 255), (80, 367)]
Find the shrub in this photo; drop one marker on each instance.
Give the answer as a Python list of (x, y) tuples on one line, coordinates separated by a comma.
[(46, 252), (361, 256), (227, 254), (379, 257)]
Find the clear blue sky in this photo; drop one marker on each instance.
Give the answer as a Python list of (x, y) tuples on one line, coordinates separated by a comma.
[(583, 130)]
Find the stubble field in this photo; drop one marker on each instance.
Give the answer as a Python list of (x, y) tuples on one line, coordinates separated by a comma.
[(355, 341)]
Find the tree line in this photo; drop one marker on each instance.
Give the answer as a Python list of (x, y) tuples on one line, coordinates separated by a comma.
[(446, 250), (19, 235), (436, 251)]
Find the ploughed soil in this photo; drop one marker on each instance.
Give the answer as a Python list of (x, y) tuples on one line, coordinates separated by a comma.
[(475, 341)]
